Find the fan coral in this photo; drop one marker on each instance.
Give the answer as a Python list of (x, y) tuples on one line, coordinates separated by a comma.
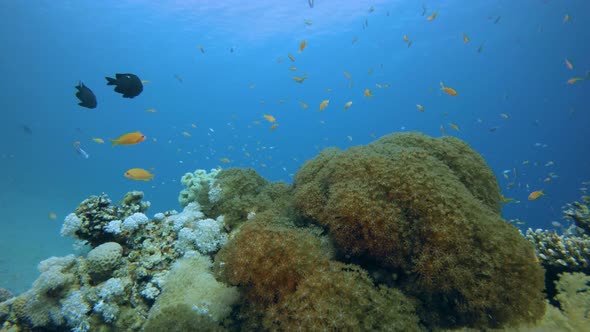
[(428, 209)]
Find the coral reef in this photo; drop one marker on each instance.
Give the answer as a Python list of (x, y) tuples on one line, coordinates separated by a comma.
[(427, 209), (342, 297), (268, 261), (567, 251), (117, 282), (234, 193), (403, 234), (191, 299)]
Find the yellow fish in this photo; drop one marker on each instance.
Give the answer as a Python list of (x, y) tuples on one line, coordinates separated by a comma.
[(465, 38), (574, 80), (269, 118), (151, 110), (52, 215), (302, 46), (454, 126), (368, 93), (98, 140), (420, 107), (138, 174), (569, 64), (324, 104), (432, 16), (450, 91), (129, 139), (293, 68), (274, 126), (303, 104), (225, 160), (186, 134), (535, 194), (299, 79), (370, 71), (347, 105), (347, 74)]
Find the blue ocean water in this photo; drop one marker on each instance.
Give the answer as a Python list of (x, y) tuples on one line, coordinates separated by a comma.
[(514, 64)]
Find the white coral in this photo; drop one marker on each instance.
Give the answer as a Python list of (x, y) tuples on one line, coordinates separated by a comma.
[(71, 224)]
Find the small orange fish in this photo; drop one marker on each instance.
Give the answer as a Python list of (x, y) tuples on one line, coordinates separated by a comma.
[(303, 105), (138, 174), (129, 139), (302, 46), (299, 79), (432, 16), (566, 18), (324, 104), (274, 126), (225, 160), (269, 118), (293, 68), (406, 38), (98, 140), (347, 74), (465, 38), (569, 64), (291, 57), (454, 126), (52, 215), (450, 91), (151, 110), (536, 194), (347, 105), (574, 80), (420, 107), (368, 93)]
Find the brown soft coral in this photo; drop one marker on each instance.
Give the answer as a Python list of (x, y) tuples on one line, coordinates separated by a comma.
[(342, 297), (428, 209), (268, 261)]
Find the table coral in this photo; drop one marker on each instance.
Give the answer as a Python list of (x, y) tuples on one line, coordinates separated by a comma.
[(428, 209)]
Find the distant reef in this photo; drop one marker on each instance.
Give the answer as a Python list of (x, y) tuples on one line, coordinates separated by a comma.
[(403, 234)]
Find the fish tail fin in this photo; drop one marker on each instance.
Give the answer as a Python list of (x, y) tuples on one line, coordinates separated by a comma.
[(111, 81), (113, 142)]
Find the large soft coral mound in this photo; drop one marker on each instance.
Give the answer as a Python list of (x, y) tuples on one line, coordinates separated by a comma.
[(427, 209), (342, 297), (268, 261)]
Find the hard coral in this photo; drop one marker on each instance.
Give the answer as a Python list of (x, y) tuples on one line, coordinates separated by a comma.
[(428, 209)]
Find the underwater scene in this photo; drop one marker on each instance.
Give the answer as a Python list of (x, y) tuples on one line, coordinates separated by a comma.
[(295, 165)]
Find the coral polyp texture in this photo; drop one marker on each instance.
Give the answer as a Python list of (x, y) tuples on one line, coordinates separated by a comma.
[(428, 210)]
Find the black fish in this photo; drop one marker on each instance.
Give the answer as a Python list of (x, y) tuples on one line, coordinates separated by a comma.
[(86, 96), (128, 85), (27, 129)]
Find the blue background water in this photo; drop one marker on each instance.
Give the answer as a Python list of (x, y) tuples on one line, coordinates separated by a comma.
[(48, 46)]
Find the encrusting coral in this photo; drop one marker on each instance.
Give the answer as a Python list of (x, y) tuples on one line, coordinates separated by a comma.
[(428, 209)]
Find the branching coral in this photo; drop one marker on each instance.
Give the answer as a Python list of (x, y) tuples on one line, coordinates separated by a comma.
[(429, 210)]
